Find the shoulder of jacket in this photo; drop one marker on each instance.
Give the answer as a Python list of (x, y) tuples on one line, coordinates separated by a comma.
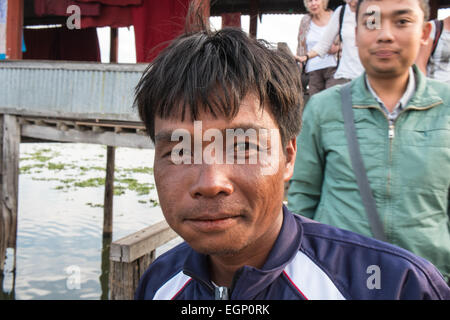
[(162, 270), (329, 98), (348, 255)]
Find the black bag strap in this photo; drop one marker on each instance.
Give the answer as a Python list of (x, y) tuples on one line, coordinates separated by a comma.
[(358, 164), (439, 24), (341, 21)]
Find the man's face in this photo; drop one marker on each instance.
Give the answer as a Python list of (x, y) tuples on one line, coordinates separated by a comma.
[(389, 34), (223, 208)]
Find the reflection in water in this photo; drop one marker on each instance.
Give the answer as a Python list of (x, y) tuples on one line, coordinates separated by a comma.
[(60, 219), (4, 295), (8, 292)]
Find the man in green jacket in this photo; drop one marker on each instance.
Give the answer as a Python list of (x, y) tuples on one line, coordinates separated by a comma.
[(402, 122)]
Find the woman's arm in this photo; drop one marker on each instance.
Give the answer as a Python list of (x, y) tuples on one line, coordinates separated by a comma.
[(329, 35)]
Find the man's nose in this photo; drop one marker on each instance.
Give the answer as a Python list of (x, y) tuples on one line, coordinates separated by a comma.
[(212, 180), (385, 32)]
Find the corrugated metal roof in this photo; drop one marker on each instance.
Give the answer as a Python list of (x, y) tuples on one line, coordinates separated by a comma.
[(69, 89)]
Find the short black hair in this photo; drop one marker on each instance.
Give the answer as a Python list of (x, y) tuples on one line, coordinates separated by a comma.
[(424, 5), (213, 71)]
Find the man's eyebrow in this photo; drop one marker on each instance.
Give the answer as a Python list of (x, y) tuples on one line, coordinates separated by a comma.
[(402, 11), (395, 13), (369, 13), (246, 126), (165, 136)]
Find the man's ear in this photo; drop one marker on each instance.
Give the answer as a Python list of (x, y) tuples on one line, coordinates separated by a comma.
[(426, 30), (290, 153)]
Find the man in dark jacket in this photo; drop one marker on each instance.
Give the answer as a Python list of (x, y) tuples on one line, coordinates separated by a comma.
[(224, 111)]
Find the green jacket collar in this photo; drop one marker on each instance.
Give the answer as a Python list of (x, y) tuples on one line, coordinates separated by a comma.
[(423, 98)]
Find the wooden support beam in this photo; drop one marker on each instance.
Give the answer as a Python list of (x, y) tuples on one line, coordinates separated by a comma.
[(109, 192), (199, 16), (14, 29), (131, 256), (9, 183), (114, 47), (254, 9), (109, 138), (434, 7)]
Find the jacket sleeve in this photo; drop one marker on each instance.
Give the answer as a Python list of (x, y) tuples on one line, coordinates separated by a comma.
[(306, 183)]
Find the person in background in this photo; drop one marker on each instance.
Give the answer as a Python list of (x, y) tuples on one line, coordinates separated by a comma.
[(342, 24), (237, 98), (312, 26), (401, 120), (434, 57)]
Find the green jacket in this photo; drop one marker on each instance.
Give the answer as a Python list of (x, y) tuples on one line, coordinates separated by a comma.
[(408, 170)]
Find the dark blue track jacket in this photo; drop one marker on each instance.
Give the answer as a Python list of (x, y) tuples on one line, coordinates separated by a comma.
[(309, 260)]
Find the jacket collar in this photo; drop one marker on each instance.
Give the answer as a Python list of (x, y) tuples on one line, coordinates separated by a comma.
[(249, 281), (424, 96)]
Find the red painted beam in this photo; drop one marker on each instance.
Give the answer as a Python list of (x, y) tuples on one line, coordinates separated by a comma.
[(14, 29)]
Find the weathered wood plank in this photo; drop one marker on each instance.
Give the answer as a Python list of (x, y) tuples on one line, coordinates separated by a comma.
[(131, 117), (10, 173), (124, 277), (108, 138), (9, 181), (134, 246), (3, 232), (109, 192)]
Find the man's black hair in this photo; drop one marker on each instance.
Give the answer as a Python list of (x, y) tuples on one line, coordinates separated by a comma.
[(212, 72), (424, 5)]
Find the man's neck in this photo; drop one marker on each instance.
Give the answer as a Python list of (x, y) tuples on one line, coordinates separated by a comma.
[(223, 267), (389, 90)]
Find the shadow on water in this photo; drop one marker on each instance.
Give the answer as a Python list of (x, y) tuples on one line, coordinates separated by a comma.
[(8, 278)]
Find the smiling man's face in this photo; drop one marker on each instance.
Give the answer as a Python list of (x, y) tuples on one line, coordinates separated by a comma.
[(389, 34), (224, 208)]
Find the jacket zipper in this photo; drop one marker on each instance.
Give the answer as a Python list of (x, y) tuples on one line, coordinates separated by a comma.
[(220, 293), (391, 135), (391, 132)]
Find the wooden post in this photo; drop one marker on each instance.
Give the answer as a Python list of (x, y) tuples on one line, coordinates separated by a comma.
[(109, 192), (14, 29), (434, 7), (110, 154), (204, 6), (9, 183), (254, 18), (114, 48), (131, 256)]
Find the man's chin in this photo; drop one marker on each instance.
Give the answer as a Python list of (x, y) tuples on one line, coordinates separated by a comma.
[(217, 248)]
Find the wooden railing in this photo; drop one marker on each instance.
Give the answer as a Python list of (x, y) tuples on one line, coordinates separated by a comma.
[(131, 256)]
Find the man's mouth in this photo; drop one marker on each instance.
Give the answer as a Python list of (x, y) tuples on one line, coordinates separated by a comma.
[(384, 53), (213, 222)]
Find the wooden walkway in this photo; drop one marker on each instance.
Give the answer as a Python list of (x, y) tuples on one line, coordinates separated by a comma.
[(47, 101)]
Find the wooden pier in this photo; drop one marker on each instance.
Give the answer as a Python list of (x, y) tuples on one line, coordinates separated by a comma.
[(76, 103)]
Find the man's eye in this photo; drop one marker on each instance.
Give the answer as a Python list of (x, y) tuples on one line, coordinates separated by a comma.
[(180, 152), (246, 147), (403, 22)]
